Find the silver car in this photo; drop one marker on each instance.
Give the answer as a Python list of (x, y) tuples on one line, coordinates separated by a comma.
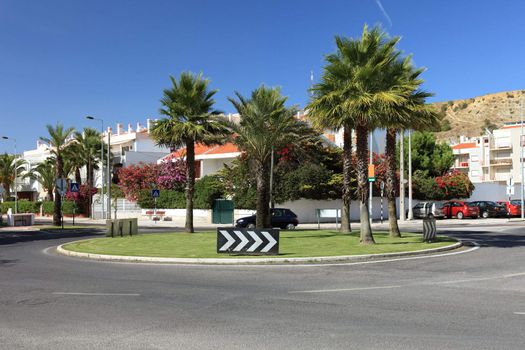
[(428, 210)]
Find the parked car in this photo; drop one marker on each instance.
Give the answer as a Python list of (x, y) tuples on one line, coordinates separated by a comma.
[(513, 207), (489, 209), (428, 210), (281, 217), (459, 209)]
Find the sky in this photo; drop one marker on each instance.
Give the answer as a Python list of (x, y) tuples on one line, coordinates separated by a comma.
[(63, 60)]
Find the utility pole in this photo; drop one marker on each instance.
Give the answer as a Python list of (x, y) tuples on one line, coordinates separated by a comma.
[(410, 213), (402, 176), (108, 175)]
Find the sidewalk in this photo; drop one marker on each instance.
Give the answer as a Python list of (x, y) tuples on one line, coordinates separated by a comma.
[(178, 223)]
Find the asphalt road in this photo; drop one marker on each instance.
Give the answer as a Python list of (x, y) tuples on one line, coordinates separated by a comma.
[(472, 300)]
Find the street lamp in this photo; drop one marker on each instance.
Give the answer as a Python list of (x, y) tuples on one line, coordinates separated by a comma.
[(102, 169), (16, 175)]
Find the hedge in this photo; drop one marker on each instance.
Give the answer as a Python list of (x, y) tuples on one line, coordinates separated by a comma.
[(67, 207), (24, 206)]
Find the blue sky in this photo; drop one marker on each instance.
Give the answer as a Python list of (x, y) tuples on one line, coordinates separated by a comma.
[(63, 60)]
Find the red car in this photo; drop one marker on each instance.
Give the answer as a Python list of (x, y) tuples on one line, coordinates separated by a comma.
[(513, 207), (460, 209)]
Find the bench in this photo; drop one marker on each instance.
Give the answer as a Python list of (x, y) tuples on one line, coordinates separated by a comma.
[(155, 216)]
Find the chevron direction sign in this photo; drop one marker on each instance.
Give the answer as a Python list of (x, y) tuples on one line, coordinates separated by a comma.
[(244, 241), (429, 229)]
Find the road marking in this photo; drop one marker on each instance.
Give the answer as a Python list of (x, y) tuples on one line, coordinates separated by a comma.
[(98, 294), (514, 275), (342, 289), (476, 247)]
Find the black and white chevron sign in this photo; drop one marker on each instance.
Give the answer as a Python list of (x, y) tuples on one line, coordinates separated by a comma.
[(429, 229), (246, 242)]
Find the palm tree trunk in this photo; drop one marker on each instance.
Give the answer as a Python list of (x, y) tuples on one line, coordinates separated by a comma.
[(57, 210), (347, 190), (78, 178), (262, 219), (390, 159), (362, 183), (190, 184)]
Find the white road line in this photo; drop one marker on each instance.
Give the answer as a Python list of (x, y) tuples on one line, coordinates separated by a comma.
[(342, 289), (98, 294), (476, 247), (514, 275)]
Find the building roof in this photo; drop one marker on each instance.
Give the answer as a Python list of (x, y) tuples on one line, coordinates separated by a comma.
[(464, 145), (202, 150)]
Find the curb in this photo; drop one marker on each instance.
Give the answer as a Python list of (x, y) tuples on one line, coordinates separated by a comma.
[(254, 261)]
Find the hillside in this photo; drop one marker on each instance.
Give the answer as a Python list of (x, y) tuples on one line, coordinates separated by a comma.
[(467, 117)]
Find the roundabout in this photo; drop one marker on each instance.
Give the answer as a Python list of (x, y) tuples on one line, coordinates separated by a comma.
[(461, 299)]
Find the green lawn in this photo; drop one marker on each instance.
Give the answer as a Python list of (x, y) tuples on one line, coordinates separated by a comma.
[(294, 244)]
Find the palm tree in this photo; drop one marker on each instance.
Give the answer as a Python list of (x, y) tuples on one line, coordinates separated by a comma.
[(265, 125), (325, 113), (190, 119), (356, 74), (87, 150), (414, 114), (44, 173), (58, 141), (8, 164)]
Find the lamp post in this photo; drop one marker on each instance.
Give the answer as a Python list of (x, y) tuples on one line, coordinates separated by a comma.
[(101, 162), (522, 170), (410, 212), (16, 175)]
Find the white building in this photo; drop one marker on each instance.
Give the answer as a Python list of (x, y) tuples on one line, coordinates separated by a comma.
[(494, 157)]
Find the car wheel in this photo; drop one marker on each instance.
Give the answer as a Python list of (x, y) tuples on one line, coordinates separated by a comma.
[(290, 227), (485, 214), (250, 226), (459, 215)]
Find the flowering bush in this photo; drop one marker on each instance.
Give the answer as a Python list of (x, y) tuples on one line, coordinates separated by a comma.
[(82, 198), (165, 176)]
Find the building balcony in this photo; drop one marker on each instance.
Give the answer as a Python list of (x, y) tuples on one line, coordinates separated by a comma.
[(501, 162)]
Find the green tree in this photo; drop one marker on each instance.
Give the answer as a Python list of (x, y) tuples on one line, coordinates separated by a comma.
[(434, 158), (352, 93), (8, 164), (58, 140), (190, 119), (412, 114), (265, 125)]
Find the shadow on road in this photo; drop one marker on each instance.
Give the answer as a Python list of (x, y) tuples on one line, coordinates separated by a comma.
[(491, 238), (27, 236)]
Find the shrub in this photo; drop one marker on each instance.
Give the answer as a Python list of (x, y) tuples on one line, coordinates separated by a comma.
[(207, 189), (67, 207), (24, 206)]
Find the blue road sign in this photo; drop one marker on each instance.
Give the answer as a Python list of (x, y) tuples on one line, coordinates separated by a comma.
[(155, 193), (74, 187)]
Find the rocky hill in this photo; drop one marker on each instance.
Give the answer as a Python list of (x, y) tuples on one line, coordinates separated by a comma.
[(469, 117)]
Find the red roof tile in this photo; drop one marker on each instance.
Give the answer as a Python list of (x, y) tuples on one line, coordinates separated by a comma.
[(464, 145)]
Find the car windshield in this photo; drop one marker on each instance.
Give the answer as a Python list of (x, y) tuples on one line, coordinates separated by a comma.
[(515, 202)]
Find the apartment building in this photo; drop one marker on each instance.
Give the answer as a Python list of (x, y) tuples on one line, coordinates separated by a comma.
[(494, 157)]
